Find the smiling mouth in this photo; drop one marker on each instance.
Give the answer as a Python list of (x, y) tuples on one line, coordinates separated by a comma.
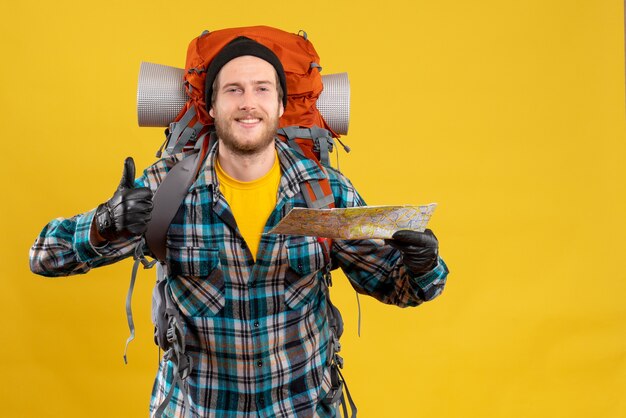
[(249, 121)]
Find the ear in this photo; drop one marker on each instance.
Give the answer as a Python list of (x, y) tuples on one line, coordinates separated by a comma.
[(281, 110), (211, 113)]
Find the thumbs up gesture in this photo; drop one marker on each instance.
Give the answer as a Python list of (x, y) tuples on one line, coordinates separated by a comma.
[(127, 213)]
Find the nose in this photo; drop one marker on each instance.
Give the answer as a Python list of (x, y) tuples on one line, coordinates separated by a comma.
[(247, 100)]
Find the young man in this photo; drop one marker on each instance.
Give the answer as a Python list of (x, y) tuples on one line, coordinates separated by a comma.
[(254, 306)]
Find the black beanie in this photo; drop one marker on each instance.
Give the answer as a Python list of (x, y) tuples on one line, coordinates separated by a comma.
[(239, 47)]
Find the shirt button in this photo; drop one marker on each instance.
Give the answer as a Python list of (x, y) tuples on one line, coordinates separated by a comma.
[(261, 400), (259, 363), (256, 325)]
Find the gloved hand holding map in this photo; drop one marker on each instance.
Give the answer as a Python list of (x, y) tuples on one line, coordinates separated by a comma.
[(364, 222)]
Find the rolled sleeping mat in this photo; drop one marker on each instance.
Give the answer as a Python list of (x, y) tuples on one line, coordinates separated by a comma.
[(161, 95)]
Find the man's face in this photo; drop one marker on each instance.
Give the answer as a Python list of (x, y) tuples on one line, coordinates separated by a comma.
[(246, 108)]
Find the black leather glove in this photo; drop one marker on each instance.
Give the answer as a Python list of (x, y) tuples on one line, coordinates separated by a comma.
[(126, 213), (419, 249)]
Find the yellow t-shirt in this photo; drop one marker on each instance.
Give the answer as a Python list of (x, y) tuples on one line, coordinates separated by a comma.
[(251, 202)]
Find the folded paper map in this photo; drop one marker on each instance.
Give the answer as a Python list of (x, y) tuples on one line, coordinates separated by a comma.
[(354, 223)]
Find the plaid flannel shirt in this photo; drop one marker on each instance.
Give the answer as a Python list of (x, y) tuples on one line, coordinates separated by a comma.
[(257, 331)]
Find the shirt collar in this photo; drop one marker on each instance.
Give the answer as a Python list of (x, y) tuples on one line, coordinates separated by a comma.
[(295, 169)]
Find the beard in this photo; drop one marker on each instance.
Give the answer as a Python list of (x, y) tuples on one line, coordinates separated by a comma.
[(240, 145)]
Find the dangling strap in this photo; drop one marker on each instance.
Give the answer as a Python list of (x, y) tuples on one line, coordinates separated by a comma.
[(336, 396), (170, 337), (139, 259), (343, 401), (181, 362)]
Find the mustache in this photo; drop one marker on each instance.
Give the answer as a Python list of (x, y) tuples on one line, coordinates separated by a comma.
[(248, 115)]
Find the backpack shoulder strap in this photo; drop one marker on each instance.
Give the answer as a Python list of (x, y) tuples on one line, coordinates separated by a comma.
[(168, 197)]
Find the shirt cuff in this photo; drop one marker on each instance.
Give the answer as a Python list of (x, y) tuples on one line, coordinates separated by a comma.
[(85, 250), (430, 285)]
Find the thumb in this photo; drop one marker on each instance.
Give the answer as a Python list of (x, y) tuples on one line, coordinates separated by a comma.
[(128, 177)]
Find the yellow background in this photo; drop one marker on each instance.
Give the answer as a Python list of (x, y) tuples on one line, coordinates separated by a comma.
[(509, 114)]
